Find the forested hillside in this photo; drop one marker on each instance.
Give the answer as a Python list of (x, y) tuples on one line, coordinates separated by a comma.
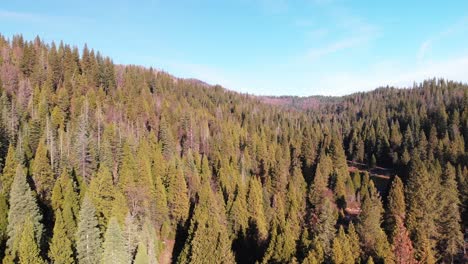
[(106, 163)]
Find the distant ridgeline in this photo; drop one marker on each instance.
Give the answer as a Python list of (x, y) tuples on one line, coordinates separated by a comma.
[(105, 163)]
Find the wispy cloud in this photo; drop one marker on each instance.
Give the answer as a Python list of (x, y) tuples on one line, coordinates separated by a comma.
[(457, 28), (392, 73), (21, 16), (27, 17), (351, 31), (317, 53)]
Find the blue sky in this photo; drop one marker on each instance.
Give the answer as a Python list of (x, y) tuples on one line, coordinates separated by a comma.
[(275, 47)]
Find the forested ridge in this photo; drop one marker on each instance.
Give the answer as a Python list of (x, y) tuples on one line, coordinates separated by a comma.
[(107, 163)]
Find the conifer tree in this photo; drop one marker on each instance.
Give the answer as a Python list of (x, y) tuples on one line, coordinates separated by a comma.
[(402, 245), (396, 206), (372, 236), (354, 242), (9, 171), (65, 200), (88, 236), (60, 249), (177, 194), (238, 214), (102, 193), (255, 207), (208, 240), (115, 250), (325, 228), (141, 255), (23, 208), (28, 248), (166, 138), (451, 240), (42, 172), (421, 217)]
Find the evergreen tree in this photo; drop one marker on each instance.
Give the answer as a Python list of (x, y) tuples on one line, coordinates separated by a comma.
[(177, 194), (452, 238), (102, 193), (422, 211), (402, 245), (141, 255), (23, 208), (115, 250), (325, 228), (42, 172), (396, 206), (207, 240), (60, 249), (28, 248), (166, 138), (373, 238), (255, 208), (9, 171), (88, 236)]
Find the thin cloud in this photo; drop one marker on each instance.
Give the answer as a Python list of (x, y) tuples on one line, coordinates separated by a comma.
[(392, 74), (27, 17), (21, 16), (457, 28), (314, 54)]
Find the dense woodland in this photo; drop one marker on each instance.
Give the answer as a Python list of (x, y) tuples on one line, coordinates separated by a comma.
[(106, 163)]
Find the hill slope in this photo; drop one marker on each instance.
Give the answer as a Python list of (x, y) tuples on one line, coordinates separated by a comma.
[(132, 157)]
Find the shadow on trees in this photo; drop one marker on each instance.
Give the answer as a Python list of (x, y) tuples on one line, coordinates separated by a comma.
[(247, 248)]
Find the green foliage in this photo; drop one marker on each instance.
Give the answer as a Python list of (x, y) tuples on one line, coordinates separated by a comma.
[(141, 255), (88, 236), (60, 248), (208, 240), (422, 210), (102, 192), (177, 194), (115, 250), (451, 241), (224, 174), (255, 208), (9, 171), (28, 248), (42, 172), (23, 209)]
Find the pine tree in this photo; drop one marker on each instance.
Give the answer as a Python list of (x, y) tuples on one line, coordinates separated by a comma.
[(402, 245), (325, 228), (9, 171), (452, 238), (354, 242), (177, 194), (421, 217), (28, 248), (60, 249), (255, 208), (23, 208), (207, 240), (102, 193), (372, 236), (42, 172), (141, 255), (88, 237), (166, 138), (115, 250), (238, 214), (396, 206)]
